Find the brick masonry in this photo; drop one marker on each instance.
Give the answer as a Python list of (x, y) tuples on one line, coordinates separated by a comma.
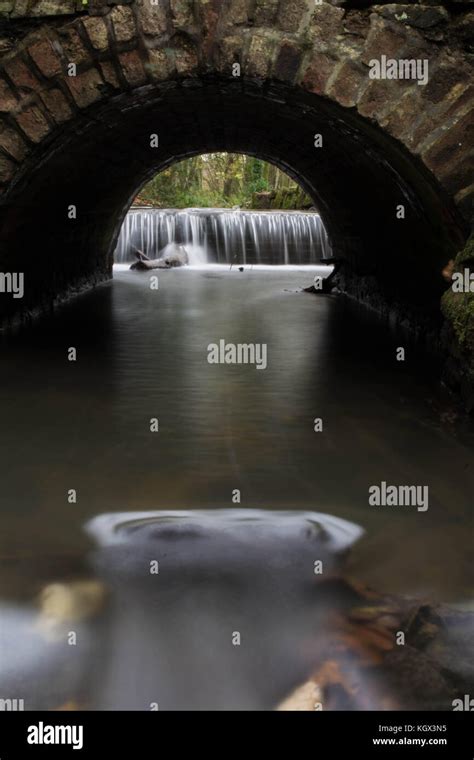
[(323, 48)]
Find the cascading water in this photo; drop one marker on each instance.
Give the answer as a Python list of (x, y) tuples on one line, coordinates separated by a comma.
[(225, 236)]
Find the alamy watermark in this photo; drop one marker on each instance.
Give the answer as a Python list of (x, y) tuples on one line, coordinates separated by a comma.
[(399, 68), (48, 734), (12, 282), (466, 703), (237, 353), (463, 282), (399, 496), (12, 705)]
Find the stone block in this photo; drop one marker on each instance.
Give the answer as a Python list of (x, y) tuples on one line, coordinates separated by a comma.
[(348, 82), (45, 54), (8, 100), (288, 61), (73, 47), (6, 6), (326, 23), (85, 88), (132, 68), (446, 148), (444, 76), (52, 8), (380, 95), (152, 18), (158, 66), (403, 114), (33, 123), (260, 55), (451, 109), (182, 12), (318, 71), (265, 12), (384, 38), (186, 57), (123, 23), (20, 9), (11, 142), (237, 12), (230, 51), (56, 104), (109, 74), (97, 32), (293, 15), (21, 75)]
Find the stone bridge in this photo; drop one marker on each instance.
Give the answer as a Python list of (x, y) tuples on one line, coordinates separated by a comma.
[(96, 97)]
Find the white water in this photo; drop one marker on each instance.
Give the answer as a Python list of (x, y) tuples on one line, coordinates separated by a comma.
[(226, 236)]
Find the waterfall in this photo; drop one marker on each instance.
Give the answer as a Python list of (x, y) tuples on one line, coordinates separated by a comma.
[(225, 236)]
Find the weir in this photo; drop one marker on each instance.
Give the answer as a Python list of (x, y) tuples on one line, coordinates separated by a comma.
[(226, 236)]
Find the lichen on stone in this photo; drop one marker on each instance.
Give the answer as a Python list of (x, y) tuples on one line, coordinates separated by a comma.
[(458, 308), (465, 257)]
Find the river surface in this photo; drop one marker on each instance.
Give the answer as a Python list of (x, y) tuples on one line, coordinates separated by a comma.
[(142, 354)]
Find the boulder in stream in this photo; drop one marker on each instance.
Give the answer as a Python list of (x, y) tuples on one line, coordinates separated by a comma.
[(172, 255)]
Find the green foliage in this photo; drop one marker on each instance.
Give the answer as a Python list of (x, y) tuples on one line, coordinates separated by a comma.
[(255, 181), (466, 256), (221, 180), (458, 308)]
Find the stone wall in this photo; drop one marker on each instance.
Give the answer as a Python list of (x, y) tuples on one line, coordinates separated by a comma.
[(324, 48)]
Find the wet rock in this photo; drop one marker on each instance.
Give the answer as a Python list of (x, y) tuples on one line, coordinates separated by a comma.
[(416, 679), (62, 604), (171, 256), (364, 665)]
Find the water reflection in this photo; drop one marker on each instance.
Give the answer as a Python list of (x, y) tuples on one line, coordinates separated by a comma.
[(142, 354)]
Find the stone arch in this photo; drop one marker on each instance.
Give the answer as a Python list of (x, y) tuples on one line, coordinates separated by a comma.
[(304, 68)]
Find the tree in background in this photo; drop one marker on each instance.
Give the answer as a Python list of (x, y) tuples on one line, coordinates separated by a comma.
[(221, 180)]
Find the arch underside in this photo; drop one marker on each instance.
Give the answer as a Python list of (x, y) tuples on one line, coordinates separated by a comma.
[(357, 178)]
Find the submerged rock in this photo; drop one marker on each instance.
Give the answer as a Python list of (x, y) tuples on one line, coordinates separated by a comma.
[(172, 255)]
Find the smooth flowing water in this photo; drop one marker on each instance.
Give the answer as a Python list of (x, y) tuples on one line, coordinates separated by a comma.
[(226, 236), (142, 354)]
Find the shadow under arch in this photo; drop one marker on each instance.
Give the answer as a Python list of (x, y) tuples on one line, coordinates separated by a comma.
[(358, 179)]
